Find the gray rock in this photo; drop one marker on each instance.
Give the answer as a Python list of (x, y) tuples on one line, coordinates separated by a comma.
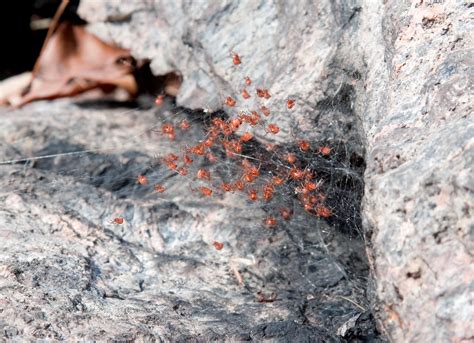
[(69, 273), (405, 71)]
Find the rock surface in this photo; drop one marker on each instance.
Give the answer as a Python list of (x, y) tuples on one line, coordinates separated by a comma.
[(68, 272), (404, 69)]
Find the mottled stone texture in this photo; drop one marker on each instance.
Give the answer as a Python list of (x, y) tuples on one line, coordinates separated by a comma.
[(69, 273), (393, 75), (403, 68)]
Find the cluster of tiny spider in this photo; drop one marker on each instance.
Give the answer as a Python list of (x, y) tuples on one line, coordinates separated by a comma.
[(231, 137)]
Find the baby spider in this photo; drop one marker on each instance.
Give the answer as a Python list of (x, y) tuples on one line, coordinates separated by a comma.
[(248, 81), (229, 101), (218, 245), (273, 128), (159, 100), (203, 174), (205, 191), (325, 150), (184, 125), (118, 221), (142, 180), (290, 103), (270, 221), (159, 188), (245, 94), (236, 59), (246, 137), (304, 145)]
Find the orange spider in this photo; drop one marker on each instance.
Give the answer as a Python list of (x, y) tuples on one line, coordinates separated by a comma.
[(325, 150), (226, 187), (296, 174), (230, 102), (205, 191), (270, 221), (273, 128), (291, 158), (245, 94), (235, 123), (322, 211), (246, 137), (304, 145), (118, 221), (218, 245), (285, 213), (290, 103), (239, 185), (142, 180), (236, 59), (184, 125), (159, 100), (248, 82), (159, 188), (182, 171), (253, 195), (187, 159), (203, 174), (265, 111), (277, 181)]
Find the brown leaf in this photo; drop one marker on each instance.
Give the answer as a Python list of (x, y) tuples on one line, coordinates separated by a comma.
[(74, 61)]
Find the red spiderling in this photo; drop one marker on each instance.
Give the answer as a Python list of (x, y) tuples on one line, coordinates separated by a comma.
[(198, 149), (159, 188), (187, 159), (182, 171), (142, 180), (254, 118), (218, 245), (308, 207), (270, 146), (229, 101), (273, 128), (260, 92), (322, 211), (245, 94), (118, 220), (290, 103), (270, 221), (253, 194), (246, 137), (203, 174), (184, 125), (266, 94), (235, 123), (291, 158), (167, 129), (265, 110), (304, 145), (208, 142), (171, 158), (211, 157), (285, 213), (296, 174), (205, 191), (249, 178), (236, 59), (310, 186), (226, 187), (248, 81), (268, 192), (239, 185), (277, 181), (159, 100), (325, 150), (171, 165)]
